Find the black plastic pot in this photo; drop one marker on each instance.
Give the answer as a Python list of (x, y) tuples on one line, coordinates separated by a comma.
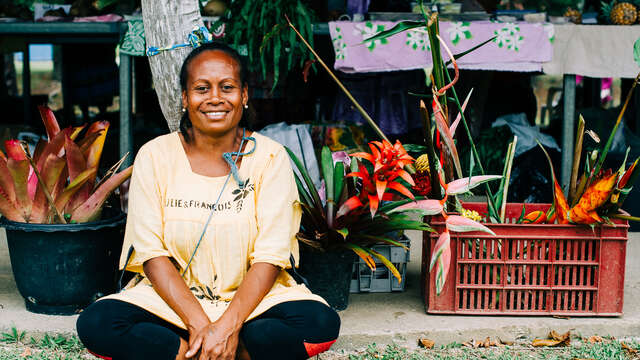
[(328, 274), (60, 269)]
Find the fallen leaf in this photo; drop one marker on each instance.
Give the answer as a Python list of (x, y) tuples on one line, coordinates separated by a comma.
[(629, 349), (555, 339), (582, 359), (25, 353), (487, 342), (595, 339), (545, 342), (426, 343), (468, 344), (506, 342), (561, 317)]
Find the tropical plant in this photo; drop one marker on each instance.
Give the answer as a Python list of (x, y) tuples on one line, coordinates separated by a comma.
[(357, 209), (270, 43), (58, 183)]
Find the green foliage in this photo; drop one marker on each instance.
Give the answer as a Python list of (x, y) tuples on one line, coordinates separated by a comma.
[(13, 336), (270, 43)]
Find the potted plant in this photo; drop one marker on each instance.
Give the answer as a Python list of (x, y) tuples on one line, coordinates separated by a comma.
[(64, 243), (362, 203)]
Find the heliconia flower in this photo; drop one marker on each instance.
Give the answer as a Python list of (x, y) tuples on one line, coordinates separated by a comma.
[(471, 214), (441, 259), (627, 174), (535, 217), (593, 197), (560, 201)]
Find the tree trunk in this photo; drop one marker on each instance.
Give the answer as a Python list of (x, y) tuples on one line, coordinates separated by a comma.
[(166, 23)]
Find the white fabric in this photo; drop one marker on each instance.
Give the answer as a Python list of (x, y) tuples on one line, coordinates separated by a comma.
[(594, 50)]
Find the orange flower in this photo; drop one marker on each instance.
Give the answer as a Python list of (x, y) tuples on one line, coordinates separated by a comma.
[(534, 217)]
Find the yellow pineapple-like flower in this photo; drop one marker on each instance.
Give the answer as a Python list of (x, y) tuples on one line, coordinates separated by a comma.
[(422, 163), (471, 214)]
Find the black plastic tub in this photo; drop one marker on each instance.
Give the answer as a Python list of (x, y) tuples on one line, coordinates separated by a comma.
[(60, 269), (329, 275)]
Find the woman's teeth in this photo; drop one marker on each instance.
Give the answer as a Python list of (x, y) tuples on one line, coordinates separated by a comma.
[(215, 114)]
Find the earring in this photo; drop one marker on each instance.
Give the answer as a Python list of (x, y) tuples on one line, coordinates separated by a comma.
[(246, 106), (184, 109)]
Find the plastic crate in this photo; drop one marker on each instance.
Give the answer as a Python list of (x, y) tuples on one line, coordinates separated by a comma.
[(544, 269), (381, 280)]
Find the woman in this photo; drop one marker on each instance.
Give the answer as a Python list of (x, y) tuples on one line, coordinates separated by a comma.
[(212, 235)]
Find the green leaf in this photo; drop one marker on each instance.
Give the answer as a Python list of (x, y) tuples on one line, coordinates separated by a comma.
[(636, 51), (458, 56), (338, 180), (326, 160), (398, 28), (317, 203), (344, 232)]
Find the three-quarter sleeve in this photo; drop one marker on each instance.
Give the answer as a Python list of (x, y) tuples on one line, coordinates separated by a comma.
[(144, 230), (278, 213)]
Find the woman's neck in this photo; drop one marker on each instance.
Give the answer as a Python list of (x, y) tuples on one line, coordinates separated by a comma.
[(206, 143)]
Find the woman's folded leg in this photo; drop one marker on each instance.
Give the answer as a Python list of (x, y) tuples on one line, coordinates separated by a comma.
[(117, 330)]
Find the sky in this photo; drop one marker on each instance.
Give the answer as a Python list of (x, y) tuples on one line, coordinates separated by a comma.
[(38, 52)]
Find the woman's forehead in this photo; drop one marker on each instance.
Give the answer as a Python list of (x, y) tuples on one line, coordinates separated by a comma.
[(214, 63)]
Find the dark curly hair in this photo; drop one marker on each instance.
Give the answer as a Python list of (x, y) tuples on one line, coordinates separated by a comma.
[(185, 122)]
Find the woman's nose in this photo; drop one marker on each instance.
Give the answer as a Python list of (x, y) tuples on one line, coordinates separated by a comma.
[(215, 96)]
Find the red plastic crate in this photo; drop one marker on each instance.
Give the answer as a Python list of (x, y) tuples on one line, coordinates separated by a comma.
[(527, 269)]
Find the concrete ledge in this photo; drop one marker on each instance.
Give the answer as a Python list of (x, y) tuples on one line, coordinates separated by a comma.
[(387, 317)]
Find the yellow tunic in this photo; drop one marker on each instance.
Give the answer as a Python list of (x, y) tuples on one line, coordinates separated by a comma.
[(169, 205)]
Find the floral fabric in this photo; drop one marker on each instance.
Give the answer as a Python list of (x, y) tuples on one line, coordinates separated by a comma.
[(515, 47)]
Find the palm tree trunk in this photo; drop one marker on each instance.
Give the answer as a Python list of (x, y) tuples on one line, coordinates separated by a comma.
[(168, 22)]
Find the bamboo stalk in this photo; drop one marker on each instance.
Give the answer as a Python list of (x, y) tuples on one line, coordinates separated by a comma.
[(510, 155), (577, 154), (625, 217), (342, 87)]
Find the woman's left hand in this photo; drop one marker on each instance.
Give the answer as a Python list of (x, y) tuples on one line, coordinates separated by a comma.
[(216, 341)]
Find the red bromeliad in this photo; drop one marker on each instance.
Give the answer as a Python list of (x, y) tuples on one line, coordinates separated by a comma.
[(388, 162)]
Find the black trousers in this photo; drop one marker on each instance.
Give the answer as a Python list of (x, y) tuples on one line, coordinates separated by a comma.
[(117, 330)]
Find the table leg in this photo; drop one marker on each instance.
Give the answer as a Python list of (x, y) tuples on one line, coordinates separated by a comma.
[(568, 128), (26, 85), (126, 129)]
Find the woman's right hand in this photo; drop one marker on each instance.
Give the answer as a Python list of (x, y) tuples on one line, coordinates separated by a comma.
[(217, 340)]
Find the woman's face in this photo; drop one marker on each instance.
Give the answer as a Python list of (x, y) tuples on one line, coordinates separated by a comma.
[(214, 95)]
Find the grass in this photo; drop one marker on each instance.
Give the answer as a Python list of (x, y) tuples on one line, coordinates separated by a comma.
[(609, 349), (15, 346)]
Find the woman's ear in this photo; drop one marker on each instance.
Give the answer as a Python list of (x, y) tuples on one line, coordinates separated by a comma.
[(245, 94), (184, 99)]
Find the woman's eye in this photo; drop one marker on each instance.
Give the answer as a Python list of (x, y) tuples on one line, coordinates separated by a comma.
[(227, 87), (201, 88)]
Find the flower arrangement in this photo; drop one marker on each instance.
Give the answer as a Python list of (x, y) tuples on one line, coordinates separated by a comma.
[(58, 183)]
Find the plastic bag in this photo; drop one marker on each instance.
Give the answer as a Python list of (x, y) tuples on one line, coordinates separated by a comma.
[(298, 140), (527, 134)]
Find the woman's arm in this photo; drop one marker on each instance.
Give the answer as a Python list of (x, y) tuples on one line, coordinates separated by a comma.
[(168, 283), (219, 339)]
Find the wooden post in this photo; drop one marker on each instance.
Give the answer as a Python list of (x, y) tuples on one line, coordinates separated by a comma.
[(168, 22)]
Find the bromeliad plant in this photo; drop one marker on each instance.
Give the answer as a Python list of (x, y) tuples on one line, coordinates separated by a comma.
[(58, 183), (358, 208)]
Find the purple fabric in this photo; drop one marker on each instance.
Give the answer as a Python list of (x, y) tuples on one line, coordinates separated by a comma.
[(517, 47)]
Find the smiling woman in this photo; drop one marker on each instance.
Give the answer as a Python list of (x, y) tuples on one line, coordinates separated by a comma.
[(213, 214)]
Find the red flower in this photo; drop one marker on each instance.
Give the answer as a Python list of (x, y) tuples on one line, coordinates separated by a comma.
[(388, 162)]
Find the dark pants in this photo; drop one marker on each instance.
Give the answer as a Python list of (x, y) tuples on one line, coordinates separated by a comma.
[(292, 330)]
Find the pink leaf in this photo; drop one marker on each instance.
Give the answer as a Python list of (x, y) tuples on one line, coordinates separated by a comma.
[(90, 209), (341, 156), (444, 242), (455, 123), (462, 224), (19, 170), (462, 186), (447, 137), (15, 150), (49, 120), (427, 207)]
